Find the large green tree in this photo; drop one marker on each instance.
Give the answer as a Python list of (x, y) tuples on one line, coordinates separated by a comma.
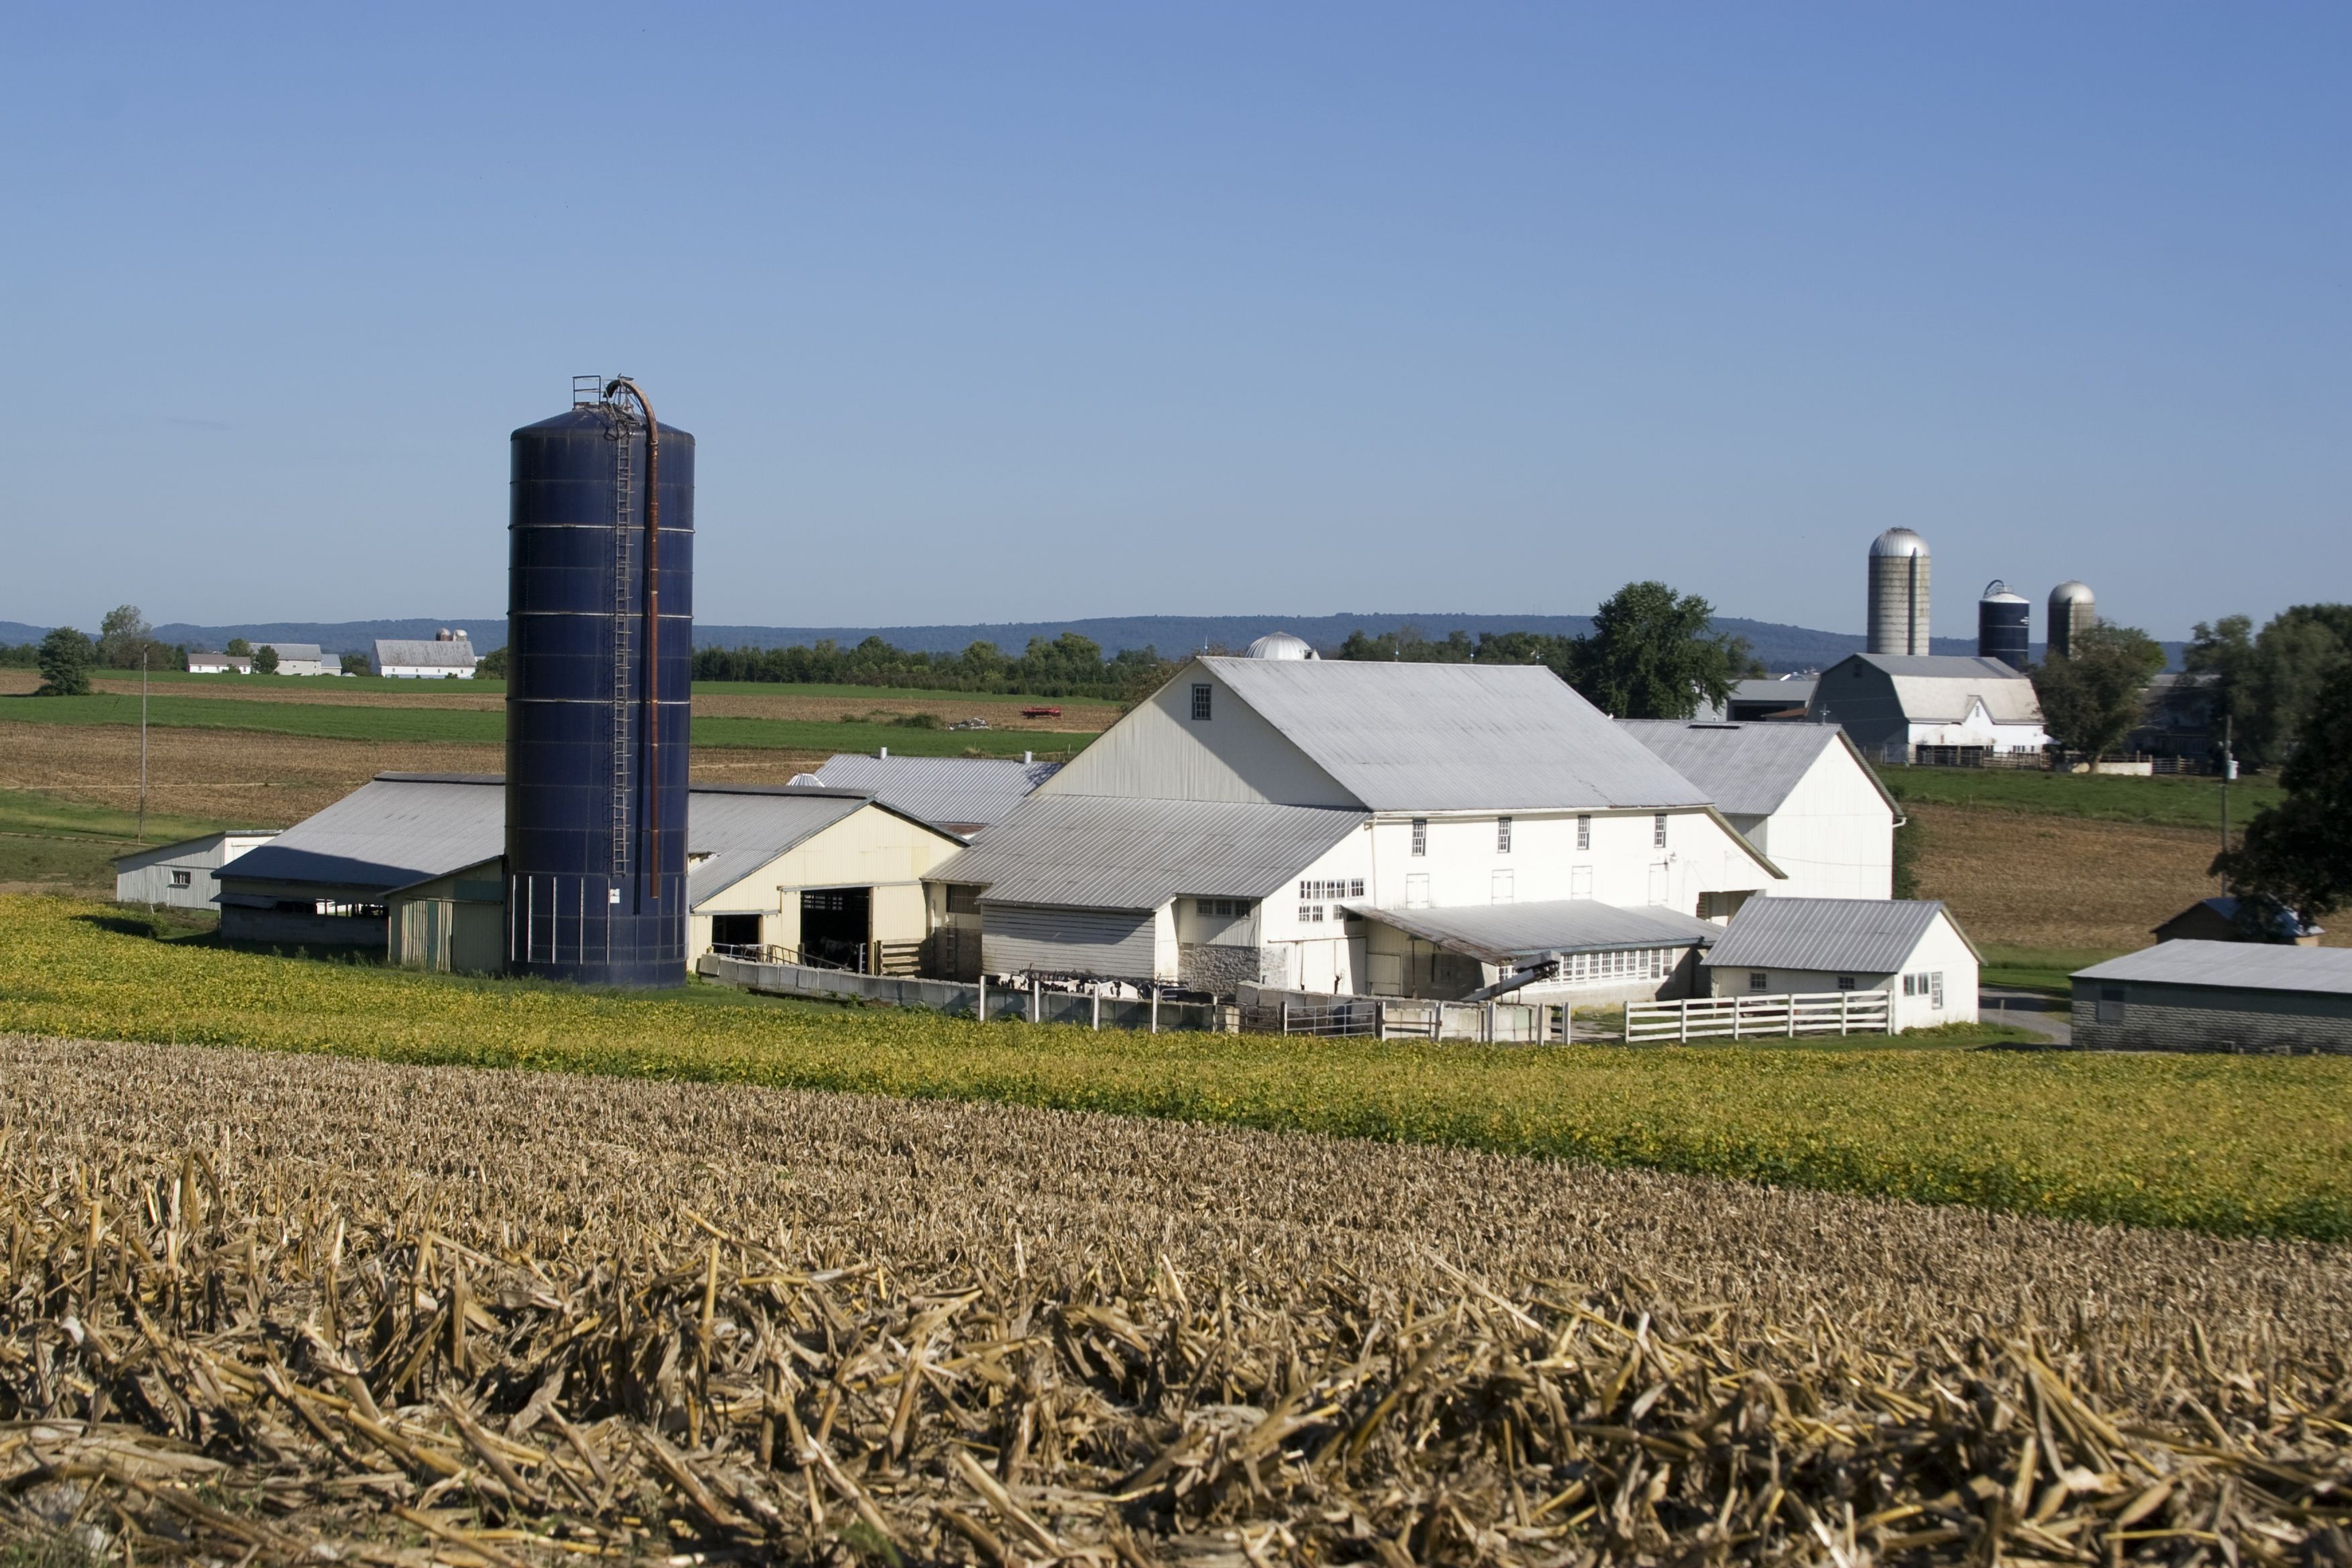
[(2092, 698), (265, 660), (2265, 683), (123, 636), (1650, 655), (2298, 854), (64, 662)]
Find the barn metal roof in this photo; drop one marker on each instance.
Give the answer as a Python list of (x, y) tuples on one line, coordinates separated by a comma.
[(957, 793), (1854, 936), (1939, 687), (426, 652), (1454, 737), (1106, 852), (1505, 933), (396, 829), (1748, 769), (2236, 965)]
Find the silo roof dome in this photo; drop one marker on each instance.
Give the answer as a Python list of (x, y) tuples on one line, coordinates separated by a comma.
[(2071, 593), (1899, 541), (1997, 592), (1281, 645)]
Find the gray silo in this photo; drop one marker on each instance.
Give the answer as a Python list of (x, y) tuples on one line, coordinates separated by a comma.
[(1898, 592), (2004, 626), (2072, 612)]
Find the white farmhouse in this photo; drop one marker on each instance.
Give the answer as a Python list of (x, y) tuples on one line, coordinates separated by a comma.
[(446, 656), (1911, 949), (181, 874), (1897, 705), (1799, 793), (1275, 821)]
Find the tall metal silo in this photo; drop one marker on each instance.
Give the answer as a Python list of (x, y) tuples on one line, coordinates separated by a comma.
[(600, 620), (2004, 626), (2072, 612), (1898, 592)]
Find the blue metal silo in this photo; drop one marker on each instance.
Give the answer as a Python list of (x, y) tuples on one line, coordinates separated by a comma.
[(600, 620)]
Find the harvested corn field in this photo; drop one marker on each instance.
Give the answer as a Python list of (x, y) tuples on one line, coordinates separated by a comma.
[(2026, 879), (263, 1308)]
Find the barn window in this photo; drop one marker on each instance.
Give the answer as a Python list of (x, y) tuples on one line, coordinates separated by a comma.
[(1502, 836), (1846, 983), (1201, 700), (1658, 831), (1421, 835), (183, 878), (1584, 830), (2111, 1004), (1758, 980), (1936, 989)]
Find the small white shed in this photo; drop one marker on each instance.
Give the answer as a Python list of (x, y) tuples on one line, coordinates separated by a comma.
[(1912, 949), (181, 874)]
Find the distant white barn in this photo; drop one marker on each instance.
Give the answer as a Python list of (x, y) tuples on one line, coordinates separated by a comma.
[(1894, 704), (1799, 793), (181, 875), (447, 656)]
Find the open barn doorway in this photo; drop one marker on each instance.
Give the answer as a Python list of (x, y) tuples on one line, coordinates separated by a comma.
[(835, 925)]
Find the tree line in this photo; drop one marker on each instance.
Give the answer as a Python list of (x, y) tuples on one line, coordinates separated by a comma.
[(1067, 665)]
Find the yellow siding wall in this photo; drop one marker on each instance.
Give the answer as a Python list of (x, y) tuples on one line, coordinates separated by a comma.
[(870, 847)]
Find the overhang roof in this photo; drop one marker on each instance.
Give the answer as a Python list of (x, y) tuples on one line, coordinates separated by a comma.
[(1748, 768), (2234, 965), (1509, 933), (1454, 737), (1853, 936), (1109, 852), (395, 830), (957, 793)]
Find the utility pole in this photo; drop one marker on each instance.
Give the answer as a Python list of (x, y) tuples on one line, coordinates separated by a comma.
[(2229, 772), (143, 747)]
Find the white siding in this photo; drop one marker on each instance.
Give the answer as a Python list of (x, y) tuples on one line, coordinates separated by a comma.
[(1159, 752), (1940, 951), (153, 881), (1834, 834), (1621, 868), (1324, 954)]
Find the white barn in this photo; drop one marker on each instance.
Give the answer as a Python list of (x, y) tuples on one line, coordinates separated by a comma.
[(1799, 793), (1245, 823), (1912, 949), (448, 656), (1899, 703), (181, 875)]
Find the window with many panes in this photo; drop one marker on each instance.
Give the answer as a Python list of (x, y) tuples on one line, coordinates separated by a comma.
[(1223, 909), (183, 878), (1758, 980), (1201, 700), (1658, 831), (1421, 835), (1846, 983), (1502, 836), (1584, 830), (1331, 888)]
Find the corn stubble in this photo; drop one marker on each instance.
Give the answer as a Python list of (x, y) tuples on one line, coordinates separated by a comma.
[(260, 1309)]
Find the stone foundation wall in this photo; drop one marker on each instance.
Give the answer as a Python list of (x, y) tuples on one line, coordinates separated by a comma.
[(1216, 966), (2167, 1027)]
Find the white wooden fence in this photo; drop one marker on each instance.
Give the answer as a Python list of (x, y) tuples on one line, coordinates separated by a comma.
[(1753, 1017)]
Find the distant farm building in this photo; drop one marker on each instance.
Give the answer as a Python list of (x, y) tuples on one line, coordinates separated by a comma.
[(1782, 697), (220, 664), (1799, 793), (449, 655), (181, 875), (1912, 949), (1897, 707), (2223, 920), (2217, 996), (299, 658), (963, 794)]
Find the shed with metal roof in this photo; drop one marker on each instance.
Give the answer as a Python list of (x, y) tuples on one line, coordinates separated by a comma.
[(1912, 949), (2232, 996)]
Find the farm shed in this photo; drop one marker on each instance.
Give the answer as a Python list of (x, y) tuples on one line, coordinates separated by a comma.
[(448, 656), (220, 664), (329, 880), (2217, 996), (963, 794), (1912, 949), (1799, 793), (1605, 953), (1896, 703), (1779, 699), (1186, 893), (828, 876), (2218, 919), (181, 875)]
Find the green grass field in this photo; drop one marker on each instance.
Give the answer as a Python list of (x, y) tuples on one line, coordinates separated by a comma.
[(336, 721), (2229, 1144), (71, 845), (2173, 801), (2043, 969)]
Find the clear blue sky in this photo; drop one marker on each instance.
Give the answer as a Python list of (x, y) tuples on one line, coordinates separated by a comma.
[(985, 313)]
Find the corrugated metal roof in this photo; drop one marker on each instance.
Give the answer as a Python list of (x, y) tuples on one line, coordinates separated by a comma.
[(1940, 688), (1854, 936), (957, 793), (741, 832), (1454, 737), (429, 652), (1104, 852), (1505, 933), (306, 651), (1791, 690), (1748, 769), (2240, 965), (388, 833)]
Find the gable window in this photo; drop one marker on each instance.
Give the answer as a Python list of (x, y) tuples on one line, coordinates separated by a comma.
[(1201, 700), (1421, 835), (1658, 831), (1502, 836), (183, 878), (1584, 830)]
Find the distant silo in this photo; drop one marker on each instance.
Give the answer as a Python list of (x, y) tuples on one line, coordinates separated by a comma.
[(1898, 592), (2072, 612), (2004, 626), (1281, 645)]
